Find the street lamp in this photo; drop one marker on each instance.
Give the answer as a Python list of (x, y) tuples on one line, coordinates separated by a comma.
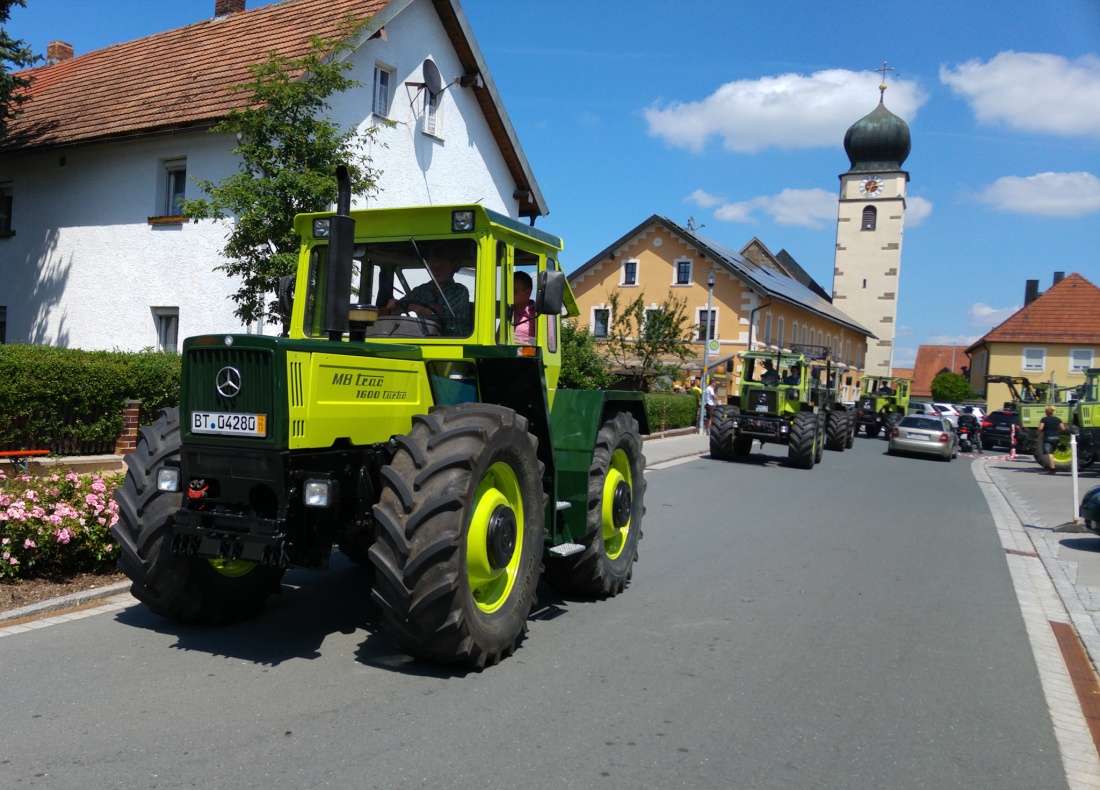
[(706, 347)]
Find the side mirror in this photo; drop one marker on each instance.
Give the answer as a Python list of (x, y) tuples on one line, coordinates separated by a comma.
[(286, 301), (551, 293)]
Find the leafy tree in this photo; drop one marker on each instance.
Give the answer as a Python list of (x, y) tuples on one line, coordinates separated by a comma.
[(14, 55), (950, 387), (288, 150), (582, 367), (641, 340)]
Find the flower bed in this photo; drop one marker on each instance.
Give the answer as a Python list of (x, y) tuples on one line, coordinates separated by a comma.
[(57, 525)]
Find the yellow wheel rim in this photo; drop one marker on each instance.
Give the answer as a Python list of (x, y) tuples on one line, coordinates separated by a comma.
[(1063, 453), (616, 532), (494, 542), (232, 568)]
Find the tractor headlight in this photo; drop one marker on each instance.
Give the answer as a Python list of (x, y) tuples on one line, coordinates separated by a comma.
[(462, 221), (168, 479), (318, 493), (321, 228)]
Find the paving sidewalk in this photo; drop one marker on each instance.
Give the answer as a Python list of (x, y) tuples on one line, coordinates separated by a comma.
[(1046, 507)]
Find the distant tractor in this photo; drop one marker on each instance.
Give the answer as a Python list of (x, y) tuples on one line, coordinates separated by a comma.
[(776, 405), (840, 417), (401, 420), (1030, 401), (883, 401)]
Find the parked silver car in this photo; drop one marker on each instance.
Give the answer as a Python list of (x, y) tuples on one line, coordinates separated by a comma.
[(924, 434)]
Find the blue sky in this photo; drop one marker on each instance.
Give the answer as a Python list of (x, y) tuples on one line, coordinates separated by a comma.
[(734, 114)]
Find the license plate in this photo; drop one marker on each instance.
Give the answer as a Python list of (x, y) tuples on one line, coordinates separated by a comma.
[(761, 408), (917, 436), (223, 424)]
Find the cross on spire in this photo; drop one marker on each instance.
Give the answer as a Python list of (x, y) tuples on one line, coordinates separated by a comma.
[(882, 87)]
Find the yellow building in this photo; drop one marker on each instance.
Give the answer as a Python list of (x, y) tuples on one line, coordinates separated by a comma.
[(1053, 337), (760, 300)]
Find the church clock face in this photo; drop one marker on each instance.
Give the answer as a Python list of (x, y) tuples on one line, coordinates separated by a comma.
[(871, 187)]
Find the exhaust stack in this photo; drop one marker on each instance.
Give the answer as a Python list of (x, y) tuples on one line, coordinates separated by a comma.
[(341, 245)]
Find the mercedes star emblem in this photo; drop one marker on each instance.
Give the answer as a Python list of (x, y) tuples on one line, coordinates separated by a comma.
[(228, 382)]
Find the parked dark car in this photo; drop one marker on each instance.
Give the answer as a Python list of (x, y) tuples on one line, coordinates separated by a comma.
[(997, 430)]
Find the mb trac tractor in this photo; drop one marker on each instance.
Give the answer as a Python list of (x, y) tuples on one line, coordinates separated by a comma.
[(398, 419), (840, 422), (775, 405), (883, 401), (1030, 402)]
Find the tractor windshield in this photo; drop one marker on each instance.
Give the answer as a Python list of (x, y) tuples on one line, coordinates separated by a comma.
[(419, 288)]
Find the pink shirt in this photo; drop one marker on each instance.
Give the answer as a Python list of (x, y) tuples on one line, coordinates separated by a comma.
[(524, 320)]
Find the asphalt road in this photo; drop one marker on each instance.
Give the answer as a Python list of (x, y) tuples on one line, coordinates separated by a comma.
[(850, 626)]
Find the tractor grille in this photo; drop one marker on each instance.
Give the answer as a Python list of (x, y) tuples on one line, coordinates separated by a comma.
[(762, 402), (203, 366)]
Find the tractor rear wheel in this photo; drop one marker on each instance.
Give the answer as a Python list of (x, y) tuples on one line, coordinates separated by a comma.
[(173, 586), (800, 449), (721, 433), (850, 428), (1063, 454), (872, 430), (742, 446), (819, 440), (890, 423), (836, 430), (616, 490), (461, 526)]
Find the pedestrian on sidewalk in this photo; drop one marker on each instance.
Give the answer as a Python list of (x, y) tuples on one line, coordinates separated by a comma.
[(1051, 428), (709, 403)]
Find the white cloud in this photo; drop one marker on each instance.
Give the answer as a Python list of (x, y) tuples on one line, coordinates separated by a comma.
[(1031, 91), (1045, 194), (787, 111), (904, 331), (916, 209), (904, 357), (704, 199), (984, 317), (807, 208)]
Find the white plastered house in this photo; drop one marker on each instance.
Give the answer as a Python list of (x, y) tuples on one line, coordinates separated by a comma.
[(91, 253)]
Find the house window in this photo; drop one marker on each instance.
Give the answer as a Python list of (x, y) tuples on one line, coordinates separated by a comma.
[(870, 216), (1034, 359), (651, 313), (432, 115), (3, 325), (683, 272), (794, 334), (859, 355), (819, 338), (167, 320), (601, 320), (175, 183), (829, 340), (630, 273), (1080, 359), (383, 92), (847, 352), (768, 329), (701, 320), (5, 210), (803, 335), (779, 339)]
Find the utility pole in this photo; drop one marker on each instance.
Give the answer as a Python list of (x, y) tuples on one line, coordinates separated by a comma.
[(706, 347)]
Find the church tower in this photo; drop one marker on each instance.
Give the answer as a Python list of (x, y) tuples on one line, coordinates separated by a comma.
[(869, 229)]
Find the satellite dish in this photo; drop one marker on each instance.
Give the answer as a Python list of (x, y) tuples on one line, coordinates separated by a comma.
[(432, 80)]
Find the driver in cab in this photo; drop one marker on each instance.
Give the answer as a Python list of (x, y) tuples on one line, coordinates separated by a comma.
[(447, 302)]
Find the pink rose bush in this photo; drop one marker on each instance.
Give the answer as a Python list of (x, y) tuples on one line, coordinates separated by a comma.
[(51, 526)]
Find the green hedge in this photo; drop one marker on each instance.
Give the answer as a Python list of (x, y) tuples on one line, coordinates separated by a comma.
[(667, 410), (60, 398)]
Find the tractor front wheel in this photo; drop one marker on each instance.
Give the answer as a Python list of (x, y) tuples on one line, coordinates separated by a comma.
[(836, 430), (173, 586), (722, 444), (800, 449), (616, 489), (461, 526)]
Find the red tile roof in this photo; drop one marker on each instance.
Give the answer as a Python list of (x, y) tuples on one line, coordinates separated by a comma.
[(175, 79), (1068, 312), (933, 360)]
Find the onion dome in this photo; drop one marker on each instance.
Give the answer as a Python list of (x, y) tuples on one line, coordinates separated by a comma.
[(877, 142)]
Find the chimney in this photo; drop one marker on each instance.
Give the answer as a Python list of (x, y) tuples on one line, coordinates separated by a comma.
[(1031, 292), (1058, 277), (57, 51), (227, 7)]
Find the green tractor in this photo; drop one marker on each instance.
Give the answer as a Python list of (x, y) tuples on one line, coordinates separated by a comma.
[(883, 401), (840, 418), (1030, 400), (775, 405), (1079, 409), (399, 420)]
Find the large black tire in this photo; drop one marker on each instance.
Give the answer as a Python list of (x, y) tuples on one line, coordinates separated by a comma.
[(800, 449), (819, 442), (836, 430), (616, 494), (872, 430), (461, 528), (850, 428), (721, 433), (742, 446), (180, 588), (890, 423)]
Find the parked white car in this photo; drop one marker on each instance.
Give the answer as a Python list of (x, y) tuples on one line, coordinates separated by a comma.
[(948, 412)]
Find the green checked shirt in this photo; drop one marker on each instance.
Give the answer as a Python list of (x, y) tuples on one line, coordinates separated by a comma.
[(456, 320)]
